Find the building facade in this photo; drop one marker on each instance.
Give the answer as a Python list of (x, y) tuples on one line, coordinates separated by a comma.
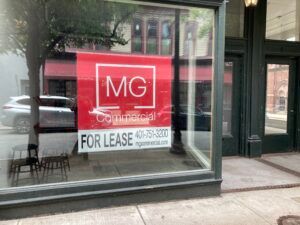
[(262, 46)]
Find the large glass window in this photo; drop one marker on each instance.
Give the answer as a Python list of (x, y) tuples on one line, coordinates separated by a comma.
[(235, 18), (277, 99), (94, 108), (283, 20)]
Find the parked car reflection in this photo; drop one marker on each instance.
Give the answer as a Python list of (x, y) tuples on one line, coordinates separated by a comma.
[(202, 120), (56, 113)]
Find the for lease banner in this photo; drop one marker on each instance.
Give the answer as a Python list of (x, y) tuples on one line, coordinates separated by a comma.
[(124, 102)]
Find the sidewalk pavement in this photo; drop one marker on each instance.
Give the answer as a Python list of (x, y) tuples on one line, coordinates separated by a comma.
[(241, 203), (263, 207), (269, 171)]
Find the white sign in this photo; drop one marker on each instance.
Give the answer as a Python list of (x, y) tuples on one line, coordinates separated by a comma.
[(123, 139)]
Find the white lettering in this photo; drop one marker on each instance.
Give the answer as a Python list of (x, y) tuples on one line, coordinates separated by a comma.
[(123, 84), (139, 87), (109, 81)]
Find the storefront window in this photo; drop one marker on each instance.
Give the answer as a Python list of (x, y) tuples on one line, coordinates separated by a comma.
[(95, 109), (283, 20), (235, 18)]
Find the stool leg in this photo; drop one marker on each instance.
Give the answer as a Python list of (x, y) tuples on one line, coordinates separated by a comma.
[(18, 174), (68, 162), (32, 173), (66, 176), (11, 168), (61, 170), (40, 163), (52, 167), (44, 171), (36, 167), (48, 170), (14, 170)]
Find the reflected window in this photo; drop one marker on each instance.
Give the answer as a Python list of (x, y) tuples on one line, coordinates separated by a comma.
[(276, 99), (166, 38), (62, 87), (137, 33), (57, 87), (283, 20), (190, 34), (227, 98), (282, 103), (152, 27), (235, 10)]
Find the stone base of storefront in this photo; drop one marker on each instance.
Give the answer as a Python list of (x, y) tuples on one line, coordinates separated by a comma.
[(88, 200)]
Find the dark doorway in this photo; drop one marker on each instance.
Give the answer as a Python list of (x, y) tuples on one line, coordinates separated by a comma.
[(231, 105)]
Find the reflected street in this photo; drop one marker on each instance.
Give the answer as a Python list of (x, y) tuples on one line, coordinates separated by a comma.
[(96, 165)]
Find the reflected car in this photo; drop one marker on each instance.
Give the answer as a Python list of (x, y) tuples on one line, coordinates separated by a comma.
[(56, 112), (202, 120)]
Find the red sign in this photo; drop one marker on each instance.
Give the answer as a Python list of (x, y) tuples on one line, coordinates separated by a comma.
[(122, 91)]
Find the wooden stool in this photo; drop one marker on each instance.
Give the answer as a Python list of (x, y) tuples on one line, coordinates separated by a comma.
[(24, 156), (52, 163)]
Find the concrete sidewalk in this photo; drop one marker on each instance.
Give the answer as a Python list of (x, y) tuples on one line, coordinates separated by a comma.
[(242, 201), (269, 171), (263, 207)]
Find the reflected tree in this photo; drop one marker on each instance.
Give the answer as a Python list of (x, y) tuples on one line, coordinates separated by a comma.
[(36, 28)]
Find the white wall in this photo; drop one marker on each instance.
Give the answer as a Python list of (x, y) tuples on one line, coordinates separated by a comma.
[(13, 69)]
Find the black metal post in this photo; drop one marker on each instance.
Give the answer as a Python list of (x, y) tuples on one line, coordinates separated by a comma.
[(177, 145), (255, 32)]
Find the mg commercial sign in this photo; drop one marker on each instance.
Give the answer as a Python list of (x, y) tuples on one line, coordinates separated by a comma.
[(124, 102)]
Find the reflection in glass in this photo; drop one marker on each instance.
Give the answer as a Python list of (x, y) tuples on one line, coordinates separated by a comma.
[(235, 10), (227, 98), (38, 58), (166, 35), (277, 99), (152, 37), (137, 36), (283, 20)]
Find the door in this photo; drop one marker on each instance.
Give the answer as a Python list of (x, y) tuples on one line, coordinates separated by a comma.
[(231, 105), (280, 111)]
